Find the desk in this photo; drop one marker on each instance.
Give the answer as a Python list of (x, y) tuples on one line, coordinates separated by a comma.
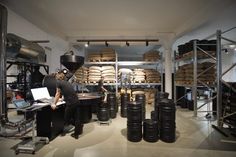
[(50, 122), (87, 101)]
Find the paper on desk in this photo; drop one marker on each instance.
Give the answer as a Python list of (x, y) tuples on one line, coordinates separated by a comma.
[(61, 102), (45, 104), (41, 104)]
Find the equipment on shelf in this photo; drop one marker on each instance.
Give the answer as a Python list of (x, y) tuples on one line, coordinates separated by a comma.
[(151, 56), (18, 47), (229, 106), (184, 50)]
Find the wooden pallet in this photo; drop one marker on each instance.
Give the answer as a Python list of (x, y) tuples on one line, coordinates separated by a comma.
[(94, 59), (92, 82), (150, 59), (109, 81), (108, 59), (139, 81), (200, 54), (154, 81)]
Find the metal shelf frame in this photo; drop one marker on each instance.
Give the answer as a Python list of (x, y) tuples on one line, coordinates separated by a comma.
[(196, 81), (26, 66), (219, 78), (220, 74), (118, 64)]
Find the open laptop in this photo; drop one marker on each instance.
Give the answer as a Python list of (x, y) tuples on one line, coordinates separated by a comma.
[(21, 104), (41, 95)]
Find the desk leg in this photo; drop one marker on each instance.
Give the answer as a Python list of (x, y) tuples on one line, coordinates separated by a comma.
[(31, 145)]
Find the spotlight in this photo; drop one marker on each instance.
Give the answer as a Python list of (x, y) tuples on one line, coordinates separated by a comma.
[(226, 51), (127, 43), (87, 44), (106, 44), (65, 71), (232, 46), (147, 43)]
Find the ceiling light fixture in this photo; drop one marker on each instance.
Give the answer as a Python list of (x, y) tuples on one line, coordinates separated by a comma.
[(127, 43), (226, 51), (87, 44), (106, 44), (232, 46)]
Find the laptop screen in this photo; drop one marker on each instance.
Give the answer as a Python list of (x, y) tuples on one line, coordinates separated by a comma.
[(40, 93), (20, 103)]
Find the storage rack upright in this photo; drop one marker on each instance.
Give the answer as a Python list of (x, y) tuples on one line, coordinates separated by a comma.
[(219, 75), (192, 57)]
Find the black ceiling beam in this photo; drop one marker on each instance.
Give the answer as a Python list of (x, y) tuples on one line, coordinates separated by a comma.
[(40, 41), (118, 40)]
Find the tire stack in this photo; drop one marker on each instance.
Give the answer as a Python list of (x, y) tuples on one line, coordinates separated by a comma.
[(134, 121), (125, 97), (150, 130), (103, 113), (142, 99), (167, 120), (111, 101)]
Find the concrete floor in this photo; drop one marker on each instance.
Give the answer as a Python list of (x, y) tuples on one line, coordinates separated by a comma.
[(195, 138)]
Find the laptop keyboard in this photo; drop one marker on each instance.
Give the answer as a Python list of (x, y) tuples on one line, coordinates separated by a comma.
[(45, 100)]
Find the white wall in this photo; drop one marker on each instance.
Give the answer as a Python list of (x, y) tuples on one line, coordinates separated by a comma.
[(223, 22), (23, 28)]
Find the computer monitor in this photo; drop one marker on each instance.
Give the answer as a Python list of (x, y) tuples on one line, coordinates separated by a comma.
[(20, 103), (40, 93)]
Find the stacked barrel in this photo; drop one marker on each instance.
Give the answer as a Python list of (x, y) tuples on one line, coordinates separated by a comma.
[(159, 97), (134, 121), (164, 116), (103, 113), (111, 101), (142, 99), (150, 130), (125, 98), (167, 120)]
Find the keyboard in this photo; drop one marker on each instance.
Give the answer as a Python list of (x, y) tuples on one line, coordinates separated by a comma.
[(45, 100), (30, 108)]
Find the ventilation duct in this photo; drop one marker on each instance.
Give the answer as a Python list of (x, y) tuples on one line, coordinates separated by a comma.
[(19, 48)]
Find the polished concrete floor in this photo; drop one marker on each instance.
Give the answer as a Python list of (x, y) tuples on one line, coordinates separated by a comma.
[(195, 138)]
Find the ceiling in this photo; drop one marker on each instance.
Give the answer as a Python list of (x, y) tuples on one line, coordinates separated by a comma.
[(90, 19)]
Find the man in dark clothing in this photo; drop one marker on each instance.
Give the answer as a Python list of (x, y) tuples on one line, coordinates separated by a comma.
[(66, 89), (36, 78), (101, 89)]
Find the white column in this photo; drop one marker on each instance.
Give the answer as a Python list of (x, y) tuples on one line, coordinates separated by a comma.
[(168, 70)]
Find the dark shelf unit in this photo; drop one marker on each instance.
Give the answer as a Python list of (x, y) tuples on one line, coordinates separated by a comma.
[(26, 67)]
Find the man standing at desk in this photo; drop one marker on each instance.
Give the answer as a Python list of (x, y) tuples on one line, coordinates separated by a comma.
[(66, 89), (101, 89)]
